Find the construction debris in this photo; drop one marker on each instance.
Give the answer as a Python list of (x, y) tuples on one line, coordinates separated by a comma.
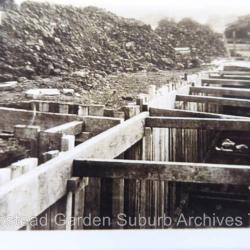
[(40, 39), (63, 47), (8, 86), (49, 40), (38, 93), (242, 148), (203, 42), (228, 144)]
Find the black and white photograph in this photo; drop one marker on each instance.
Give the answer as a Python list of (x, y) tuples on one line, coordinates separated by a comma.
[(125, 124)]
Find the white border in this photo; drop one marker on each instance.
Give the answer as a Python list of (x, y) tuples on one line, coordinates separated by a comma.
[(212, 239)]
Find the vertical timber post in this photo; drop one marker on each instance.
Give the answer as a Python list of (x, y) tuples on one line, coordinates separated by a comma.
[(28, 135), (75, 202), (148, 155), (117, 201)]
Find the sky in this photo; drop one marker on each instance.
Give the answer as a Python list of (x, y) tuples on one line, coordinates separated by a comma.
[(214, 12)]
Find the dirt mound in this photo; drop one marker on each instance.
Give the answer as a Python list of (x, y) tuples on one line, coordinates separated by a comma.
[(203, 42), (42, 39), (55, 46)]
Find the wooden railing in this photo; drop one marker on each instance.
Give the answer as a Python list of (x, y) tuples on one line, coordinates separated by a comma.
[(156, 196), (163, 171)]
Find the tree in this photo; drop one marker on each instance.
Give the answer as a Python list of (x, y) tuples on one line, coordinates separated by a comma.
[(6, 4), (241, 27)]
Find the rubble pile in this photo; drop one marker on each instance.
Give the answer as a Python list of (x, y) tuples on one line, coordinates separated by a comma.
[(39, 39), (65, 47), (203, 42)]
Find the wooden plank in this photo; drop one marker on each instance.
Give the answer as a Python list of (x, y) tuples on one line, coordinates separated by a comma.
[(76, 193), (172, 198), (236, 73), (179, 156), (214, 100), (148, 198), (70, 128), (69, 207), (131, 111), (49, 142), (47, 156), (220, 91), (186, 113), (98, 124), (96, 110), (199, 123), (146, 195), (93, 200), (166, 197), (231, 77), (57, 209), (54, 106), (143, 198), (79, 206), (117, 201), (154, 201), (172, 143), (161, 200), (28, 137), (225, 81), (133, 187), (167, 171), (26, 117), (147, 144), (155, 144), (64, 108), (30, 194)]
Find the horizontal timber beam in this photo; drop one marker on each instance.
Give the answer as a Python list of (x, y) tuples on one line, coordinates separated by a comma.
[(236, 73), (187, 113), (199, 123), (221, 91), (163, 171), (30, 194), (227, 82), (214, 100), (70, 128), (98, 124), (231, 77), (9, 117)]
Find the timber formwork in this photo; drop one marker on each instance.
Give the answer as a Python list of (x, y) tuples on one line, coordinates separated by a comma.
[(164, 161)]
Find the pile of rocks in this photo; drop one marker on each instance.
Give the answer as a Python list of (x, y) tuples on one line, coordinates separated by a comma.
[(203, 42), (54, 46), (42, 39)]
